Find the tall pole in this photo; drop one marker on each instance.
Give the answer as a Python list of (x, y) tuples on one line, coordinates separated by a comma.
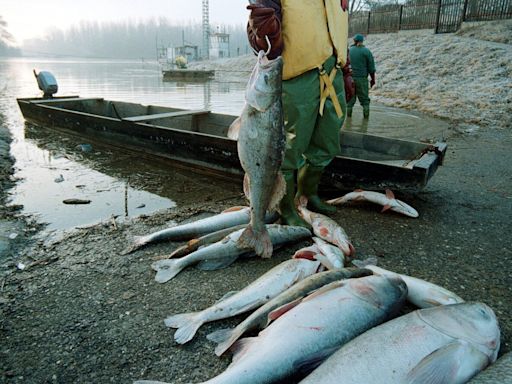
[(206, 30)]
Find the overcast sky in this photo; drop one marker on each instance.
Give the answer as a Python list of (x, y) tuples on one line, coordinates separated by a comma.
[(31, 18)]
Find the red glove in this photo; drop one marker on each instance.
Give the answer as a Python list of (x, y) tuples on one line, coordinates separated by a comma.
[(372, 80), (344, 5), (264, 22)]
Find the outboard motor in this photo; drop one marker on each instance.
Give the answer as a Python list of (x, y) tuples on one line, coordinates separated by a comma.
[(47, 83)]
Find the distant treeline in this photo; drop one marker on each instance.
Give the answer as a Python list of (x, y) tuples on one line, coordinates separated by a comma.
[(128, 40)]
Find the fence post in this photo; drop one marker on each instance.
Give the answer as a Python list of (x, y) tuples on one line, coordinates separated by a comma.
[(464, 10), (438, 17), (368, 30), (400, 18)]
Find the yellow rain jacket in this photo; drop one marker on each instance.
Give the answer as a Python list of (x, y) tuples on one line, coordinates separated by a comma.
[(311, 36)]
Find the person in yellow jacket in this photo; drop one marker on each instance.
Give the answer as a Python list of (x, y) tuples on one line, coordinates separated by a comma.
[(312, 38)]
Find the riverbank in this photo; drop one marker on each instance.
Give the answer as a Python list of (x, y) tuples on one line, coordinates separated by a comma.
[(80, 312)]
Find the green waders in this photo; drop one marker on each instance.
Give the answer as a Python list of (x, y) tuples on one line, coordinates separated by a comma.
[(362, 91), (312, 140)]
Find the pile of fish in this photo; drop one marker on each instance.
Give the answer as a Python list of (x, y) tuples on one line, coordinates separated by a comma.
[(319, 321)]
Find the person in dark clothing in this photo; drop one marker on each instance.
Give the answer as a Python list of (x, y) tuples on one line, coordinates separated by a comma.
[(363, 64)]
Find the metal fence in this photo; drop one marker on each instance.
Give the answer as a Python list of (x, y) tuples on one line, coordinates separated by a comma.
[(441, 15)]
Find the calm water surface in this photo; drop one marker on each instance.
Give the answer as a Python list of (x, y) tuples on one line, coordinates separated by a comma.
[(52, 167)]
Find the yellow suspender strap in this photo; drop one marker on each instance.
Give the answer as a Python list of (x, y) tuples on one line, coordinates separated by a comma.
[(327, 90)]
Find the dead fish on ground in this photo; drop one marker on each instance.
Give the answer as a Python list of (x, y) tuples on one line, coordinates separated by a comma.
[(225, 252), (421, 293), (260, 318), (388, 201), (201, 227), (326, 228), (331, 256), (447, 344), (268, 286), (261, 143), (314, 329), (195, 244)]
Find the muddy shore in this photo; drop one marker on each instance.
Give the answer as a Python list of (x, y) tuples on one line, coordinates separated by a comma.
[(82, 313)]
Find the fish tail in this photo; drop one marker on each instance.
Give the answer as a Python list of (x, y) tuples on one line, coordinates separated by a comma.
[(137, 242), (258, 240), (224, 338), (167, 269), (187, 325)]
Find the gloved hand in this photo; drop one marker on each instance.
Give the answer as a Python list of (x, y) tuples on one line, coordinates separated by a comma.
[(264, 22), (372, 80)]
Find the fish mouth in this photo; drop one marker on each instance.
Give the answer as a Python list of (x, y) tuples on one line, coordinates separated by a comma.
[(265, 62)]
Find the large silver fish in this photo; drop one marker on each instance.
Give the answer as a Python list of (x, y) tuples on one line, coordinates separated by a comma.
[(447, 344), (421, 293), (225, 252), (266, 287), (388, 201), (260, 318), (261, 143), (313, 330), (226, 219)]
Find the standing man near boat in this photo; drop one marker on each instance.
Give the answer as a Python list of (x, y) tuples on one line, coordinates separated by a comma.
[(312, 38), (363, 65)]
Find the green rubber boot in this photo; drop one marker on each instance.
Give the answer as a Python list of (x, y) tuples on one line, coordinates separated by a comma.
[(366, 111), (289, 214), (308, 179)]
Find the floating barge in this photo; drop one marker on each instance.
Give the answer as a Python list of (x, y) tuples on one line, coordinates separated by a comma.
[(188, 74), (197, 139)]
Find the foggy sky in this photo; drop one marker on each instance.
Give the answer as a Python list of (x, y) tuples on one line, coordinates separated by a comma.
[(32, 18)]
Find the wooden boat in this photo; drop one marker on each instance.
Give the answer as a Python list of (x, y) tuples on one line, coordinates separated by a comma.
[(197, 139)]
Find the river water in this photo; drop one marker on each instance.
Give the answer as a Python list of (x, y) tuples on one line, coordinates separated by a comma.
[(51, 167)]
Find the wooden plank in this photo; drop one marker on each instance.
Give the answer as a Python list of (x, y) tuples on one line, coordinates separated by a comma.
[(57, 100), (167, 114)]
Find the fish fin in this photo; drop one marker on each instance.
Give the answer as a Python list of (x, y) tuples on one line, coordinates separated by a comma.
[(308, 255), (236, 208), (259, 241), (247, 186), (180, 251), (212, 265), (456, 362), (240, 348), (277, 193), (303, 201), (335, 201), (227, 296), (325, 261), (187, 325), (365, 262), (224, 338), (137, 242), (312, 362), (166, 269), (389, 194), (234, 129), (325, 288), (280, 311), (385, 208)]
